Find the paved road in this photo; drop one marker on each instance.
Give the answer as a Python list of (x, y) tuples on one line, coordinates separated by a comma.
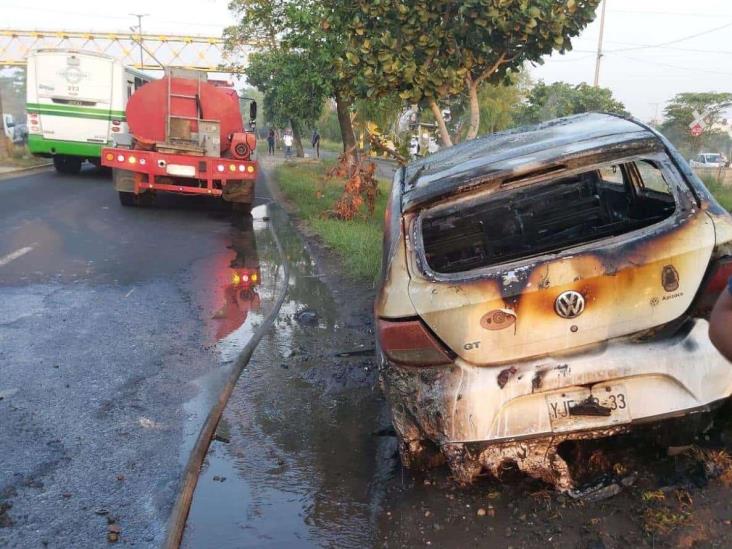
[(105, 321)]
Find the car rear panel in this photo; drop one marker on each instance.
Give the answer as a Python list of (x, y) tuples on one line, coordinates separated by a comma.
[(507, 312)]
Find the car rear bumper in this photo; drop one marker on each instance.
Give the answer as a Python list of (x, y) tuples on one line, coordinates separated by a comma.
[(462, 403)]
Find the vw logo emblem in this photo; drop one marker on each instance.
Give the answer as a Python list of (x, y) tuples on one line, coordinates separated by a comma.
[(569, 304)]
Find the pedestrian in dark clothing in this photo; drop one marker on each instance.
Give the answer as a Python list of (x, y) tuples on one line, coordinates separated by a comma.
[(316, 142), (271, 142)]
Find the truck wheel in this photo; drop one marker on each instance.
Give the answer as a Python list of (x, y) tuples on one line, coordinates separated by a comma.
[(241, 207), (127, 199), (69, 165), (132, 199)]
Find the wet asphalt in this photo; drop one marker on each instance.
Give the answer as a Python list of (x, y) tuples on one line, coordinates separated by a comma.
[(109, 322)]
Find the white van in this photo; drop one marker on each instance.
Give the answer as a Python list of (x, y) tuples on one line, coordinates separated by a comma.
[(76, 102)]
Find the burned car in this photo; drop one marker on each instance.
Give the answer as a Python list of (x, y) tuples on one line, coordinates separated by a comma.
[(547, 284)]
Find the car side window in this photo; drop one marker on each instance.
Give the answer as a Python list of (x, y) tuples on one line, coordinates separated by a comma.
[(652, 177), (612, 174)]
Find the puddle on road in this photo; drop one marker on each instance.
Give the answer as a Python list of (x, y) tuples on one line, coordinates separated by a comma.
[(301, 462)]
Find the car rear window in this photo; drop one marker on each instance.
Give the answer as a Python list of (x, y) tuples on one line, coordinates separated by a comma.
[(547, 217)]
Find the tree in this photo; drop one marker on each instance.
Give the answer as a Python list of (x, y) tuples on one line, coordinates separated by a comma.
[(679, 113), (547, 101), (430, 50), (298, 27), (294, 92)]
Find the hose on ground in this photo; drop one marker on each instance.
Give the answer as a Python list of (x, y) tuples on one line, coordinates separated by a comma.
[(179, 516)]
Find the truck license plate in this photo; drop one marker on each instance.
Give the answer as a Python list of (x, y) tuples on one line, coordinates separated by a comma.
[(580, 408), (180, 170)]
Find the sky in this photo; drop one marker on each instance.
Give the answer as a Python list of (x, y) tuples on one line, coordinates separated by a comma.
[(696, 53)]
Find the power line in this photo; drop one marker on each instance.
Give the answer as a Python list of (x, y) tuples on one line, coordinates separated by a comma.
[(675, 13), (661, 64), (670, 42)]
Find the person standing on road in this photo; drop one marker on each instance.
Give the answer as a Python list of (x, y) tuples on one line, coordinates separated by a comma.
[(720, 323), (288, 144), (316, 142), (271, 142)]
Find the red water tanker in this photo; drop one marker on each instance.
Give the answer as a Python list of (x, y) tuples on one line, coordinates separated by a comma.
[(186, 136)]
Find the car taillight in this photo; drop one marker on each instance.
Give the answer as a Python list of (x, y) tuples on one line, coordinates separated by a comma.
[(718, 274), (410, 342)]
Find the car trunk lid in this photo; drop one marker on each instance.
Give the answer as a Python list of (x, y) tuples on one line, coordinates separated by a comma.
[(549, 264)]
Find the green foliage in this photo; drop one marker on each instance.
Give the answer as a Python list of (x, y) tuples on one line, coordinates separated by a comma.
[(358, 241), (679, 113), (431, 50), (297, 28), (721, 192), (294, 91), (328, 126), (547, 101), (500, 103)]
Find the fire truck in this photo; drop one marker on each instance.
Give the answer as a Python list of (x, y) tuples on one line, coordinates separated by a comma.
[(186, 136)]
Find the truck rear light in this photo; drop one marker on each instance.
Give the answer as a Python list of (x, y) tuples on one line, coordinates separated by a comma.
[(120, 158), (132, 160), (250, 169), (409, 342), (718, 274), (116, 122), (242, 167), (220, 167), (142, 161), (109, 156)]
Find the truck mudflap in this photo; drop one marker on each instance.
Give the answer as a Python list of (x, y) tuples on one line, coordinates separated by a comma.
[(521, 412), (186, 174)]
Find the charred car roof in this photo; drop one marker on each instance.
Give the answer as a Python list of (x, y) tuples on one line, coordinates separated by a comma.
[(521, 150)]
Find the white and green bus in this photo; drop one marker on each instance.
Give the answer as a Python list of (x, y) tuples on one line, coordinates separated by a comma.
[(76, 103)]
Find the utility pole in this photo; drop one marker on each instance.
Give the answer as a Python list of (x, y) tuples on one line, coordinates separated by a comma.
[(599, 44), (4, 143), (139, 34)]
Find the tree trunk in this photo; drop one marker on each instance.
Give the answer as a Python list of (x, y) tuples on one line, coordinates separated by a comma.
[(444, 134), (474, 110), (299, 152), (344, 121)]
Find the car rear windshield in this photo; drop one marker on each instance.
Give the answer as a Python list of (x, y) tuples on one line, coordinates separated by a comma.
[(547, 217)]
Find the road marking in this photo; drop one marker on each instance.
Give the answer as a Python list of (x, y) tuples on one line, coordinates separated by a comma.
[(128, 294), (15, 255)]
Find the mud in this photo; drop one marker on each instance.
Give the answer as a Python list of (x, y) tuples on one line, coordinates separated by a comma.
[(311, 460)]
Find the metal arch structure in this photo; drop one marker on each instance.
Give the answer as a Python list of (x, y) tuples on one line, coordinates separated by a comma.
[(204, 53)]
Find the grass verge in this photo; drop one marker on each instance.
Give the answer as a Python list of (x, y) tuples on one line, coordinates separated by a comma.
[(721, 192), (357, 242), (19, 157)]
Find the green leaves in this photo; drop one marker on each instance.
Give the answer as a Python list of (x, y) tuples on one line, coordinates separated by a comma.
[(423, 49)]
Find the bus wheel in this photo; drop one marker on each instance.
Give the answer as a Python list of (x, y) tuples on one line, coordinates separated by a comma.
[(70, 165)]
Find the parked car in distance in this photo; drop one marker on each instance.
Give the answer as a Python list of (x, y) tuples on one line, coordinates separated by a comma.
[(708, 160), (548, 284)]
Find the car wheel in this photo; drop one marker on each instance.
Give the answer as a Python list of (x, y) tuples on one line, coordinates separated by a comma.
[(68, 165)]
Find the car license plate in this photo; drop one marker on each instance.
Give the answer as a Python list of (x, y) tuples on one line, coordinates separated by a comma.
[(180, 170), (582, 408)]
